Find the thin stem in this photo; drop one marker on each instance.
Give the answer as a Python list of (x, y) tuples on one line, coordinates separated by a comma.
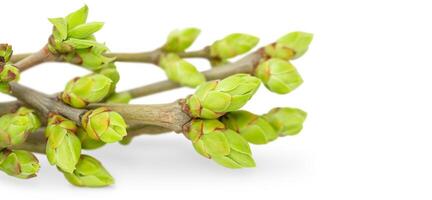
[(144, 57), (34, 59), (244, 65)]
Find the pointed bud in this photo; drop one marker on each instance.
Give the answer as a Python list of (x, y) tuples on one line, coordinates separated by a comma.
[(233, 45), (224, 146), (15, 127), (93, 58), (19, 163), (63, 147), (89, 172), (181, 71), (278, 75), (5, 53), (286, 121), (88, 89), (290, 46), (123, 97), (251, 127), (180, 39), (104, 124), (87, 142), (213, 99), (77, 17)]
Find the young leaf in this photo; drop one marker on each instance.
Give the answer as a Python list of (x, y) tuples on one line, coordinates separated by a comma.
[(85, 30), (60, 25), (77, 18)]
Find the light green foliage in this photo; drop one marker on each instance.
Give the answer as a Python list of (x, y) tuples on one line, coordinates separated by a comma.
[(89, 172), (180, 39), (88, 89), (278, 75), (290, 46), (224, 146), (63, 147), (233, 45), (15, 127), (213, 99), (181, 71), (87, 142), (19, 163), (286, 121), (251, 127), (104, 125)]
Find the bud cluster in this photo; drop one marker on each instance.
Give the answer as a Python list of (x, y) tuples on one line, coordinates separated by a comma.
[(8, 72), (19, 163)]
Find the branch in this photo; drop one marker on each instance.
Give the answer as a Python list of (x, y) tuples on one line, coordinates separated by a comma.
[(244, 65), (26, 61)]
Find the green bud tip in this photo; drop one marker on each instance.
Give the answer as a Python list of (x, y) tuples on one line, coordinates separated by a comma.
[(286, 121), (63, 147), (278, 75), (180, 39), (122, 97), (181, 71), (87, 142), (233, 45), (213, 99), (224, 146), (88, 89), (5, 53), (89, 172), (251, 127), (104, 124), (19, 163), (15, 127), (290, 46)]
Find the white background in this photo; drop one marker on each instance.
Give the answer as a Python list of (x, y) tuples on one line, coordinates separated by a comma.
[(367, 91)]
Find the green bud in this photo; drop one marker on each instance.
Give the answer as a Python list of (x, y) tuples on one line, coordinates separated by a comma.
[(233, 45), (19, 163), (87, 142), (180, 39), (213, 99), (278, 75), (88, 89), (63, 147), (104, 124), (93, 59), (224, 146), (290, 46), (83, 31), (110, 71), (15, 127), (251, 127), (181, 71), (286, 121), (5, 53), (8, 73), (123, 97), (89, 172)]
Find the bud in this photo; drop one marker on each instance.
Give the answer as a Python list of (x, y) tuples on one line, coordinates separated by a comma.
[(181, 71), (180, 39), (290, 46), (110, 71), (286, 121), (87, 142), (88, 89), (233, 45), (83, 31), (278, 75), (19, 163), (213, 99), (8, 73), (251, 127), (93, 58), (224, 146), (15, 127), (5, 53), (77, 17), (89, 172), (123, 97), (63, 147), (104, 124)]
